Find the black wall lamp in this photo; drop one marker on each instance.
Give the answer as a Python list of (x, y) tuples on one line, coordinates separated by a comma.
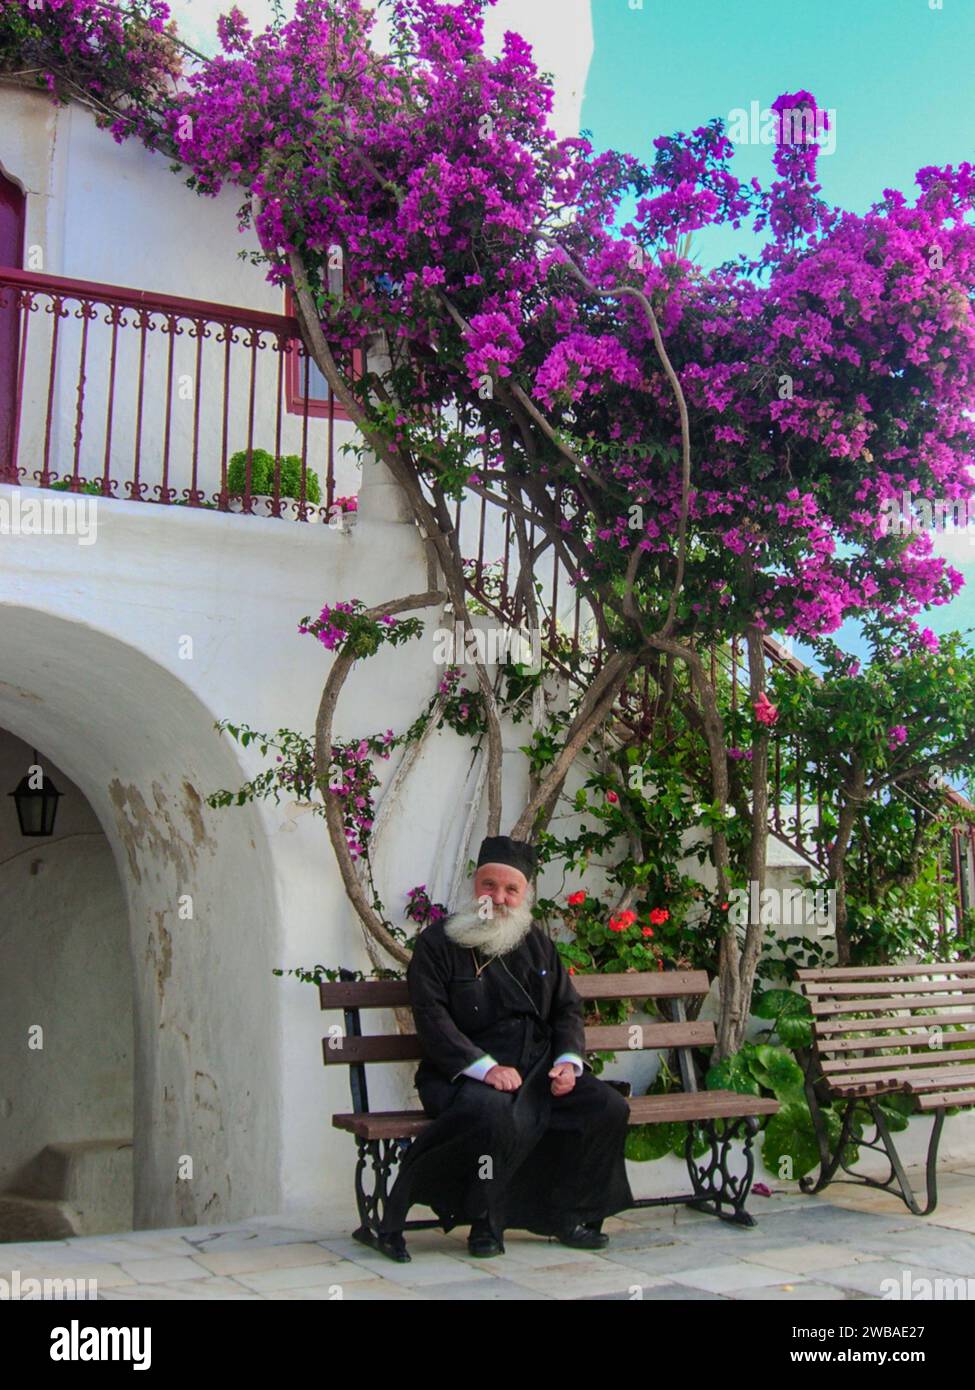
[(36, 805)]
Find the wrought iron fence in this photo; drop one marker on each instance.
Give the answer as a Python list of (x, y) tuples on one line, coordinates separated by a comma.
[(157, 398)]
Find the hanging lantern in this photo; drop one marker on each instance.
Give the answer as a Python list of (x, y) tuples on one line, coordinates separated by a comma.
[(36, 805)]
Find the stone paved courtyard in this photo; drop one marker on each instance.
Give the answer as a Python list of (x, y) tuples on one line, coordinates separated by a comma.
[(840, 1245)]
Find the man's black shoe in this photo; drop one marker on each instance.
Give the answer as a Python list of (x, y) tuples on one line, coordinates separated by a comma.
[(482, 1240), (583, 1236)]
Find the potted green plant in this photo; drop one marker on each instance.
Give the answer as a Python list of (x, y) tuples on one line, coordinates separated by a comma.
[(262, 482)]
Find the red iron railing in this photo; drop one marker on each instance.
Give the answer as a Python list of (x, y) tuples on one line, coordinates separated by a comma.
[(149, 397)]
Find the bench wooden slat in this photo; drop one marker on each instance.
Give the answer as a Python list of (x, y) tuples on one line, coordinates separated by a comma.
[(936, 1099), (393, 1047), (940, 1077), (889, 989), (646, 984), (907, 1081), (866, 1087), (379, 1124), (618, 1037), (671, 1109), (922, 1039), (697, 1105), (902, 1059), (661, 984), (363, 994), (828, 1007), (827, 1026), (865, 972)]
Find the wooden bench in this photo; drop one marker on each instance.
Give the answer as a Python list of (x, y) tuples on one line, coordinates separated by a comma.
[(383, 1137), (888, 1030)]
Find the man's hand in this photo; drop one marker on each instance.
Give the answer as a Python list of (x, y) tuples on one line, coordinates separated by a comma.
[(503, 1078), (565, 1078)]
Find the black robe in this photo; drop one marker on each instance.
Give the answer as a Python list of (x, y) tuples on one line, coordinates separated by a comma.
[(525, 1159)]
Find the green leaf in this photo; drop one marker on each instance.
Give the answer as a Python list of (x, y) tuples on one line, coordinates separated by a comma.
[(785, 1075), (772, 1003), (795, 1032), (647, 1142), (790, 1136), (732, 1074)]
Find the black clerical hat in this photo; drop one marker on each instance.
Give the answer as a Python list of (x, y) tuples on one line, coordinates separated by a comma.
[(501, 849)]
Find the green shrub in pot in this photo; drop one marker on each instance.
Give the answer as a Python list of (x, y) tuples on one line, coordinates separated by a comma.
[(262, 476)]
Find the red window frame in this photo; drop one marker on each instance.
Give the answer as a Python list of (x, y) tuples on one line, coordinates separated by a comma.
[(13, 220), (318, 407)]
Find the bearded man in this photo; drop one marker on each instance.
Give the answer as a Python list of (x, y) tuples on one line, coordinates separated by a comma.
[(524, 1134)]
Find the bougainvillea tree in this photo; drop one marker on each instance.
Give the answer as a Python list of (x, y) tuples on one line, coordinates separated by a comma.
[(708, 454)]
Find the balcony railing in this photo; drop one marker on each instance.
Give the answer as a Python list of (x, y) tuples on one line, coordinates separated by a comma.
[(148, 397)]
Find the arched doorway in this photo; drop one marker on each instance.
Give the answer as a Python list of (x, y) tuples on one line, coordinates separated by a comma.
[(66, 1136), (202, 930), (12, 222)]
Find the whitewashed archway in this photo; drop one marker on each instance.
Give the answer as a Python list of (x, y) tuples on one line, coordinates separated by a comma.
[(202, 914)]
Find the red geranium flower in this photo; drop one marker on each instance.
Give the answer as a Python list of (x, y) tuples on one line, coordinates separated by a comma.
[(574, 899), (658, 916), (624, 920)]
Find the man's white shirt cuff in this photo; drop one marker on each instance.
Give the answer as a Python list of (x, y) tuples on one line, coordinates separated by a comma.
[(480, 1068), (572, 1057)]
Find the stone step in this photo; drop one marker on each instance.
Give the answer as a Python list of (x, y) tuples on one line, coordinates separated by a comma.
[(37, 1218), (92, 1176)]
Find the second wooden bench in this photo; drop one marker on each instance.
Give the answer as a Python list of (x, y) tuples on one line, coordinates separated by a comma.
[(884, 1030)]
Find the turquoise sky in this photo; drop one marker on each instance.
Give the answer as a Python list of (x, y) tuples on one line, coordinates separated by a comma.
[(899, 75)]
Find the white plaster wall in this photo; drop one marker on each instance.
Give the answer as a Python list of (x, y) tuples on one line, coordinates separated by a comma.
[(64, 913)]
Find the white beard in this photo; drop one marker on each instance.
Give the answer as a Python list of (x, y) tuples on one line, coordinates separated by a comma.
[(497, 934)]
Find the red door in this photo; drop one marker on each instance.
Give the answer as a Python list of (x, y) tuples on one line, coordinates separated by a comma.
[(11, 254)]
